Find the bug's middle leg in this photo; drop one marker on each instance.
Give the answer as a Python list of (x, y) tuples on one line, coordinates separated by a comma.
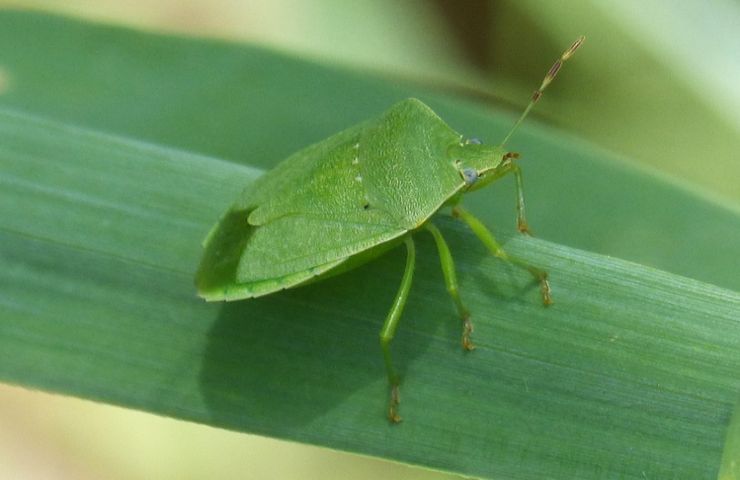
[(391, 324), (448, 271), (490, 242)]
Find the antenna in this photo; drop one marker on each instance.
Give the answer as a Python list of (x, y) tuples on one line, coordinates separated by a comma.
[(547, 80)]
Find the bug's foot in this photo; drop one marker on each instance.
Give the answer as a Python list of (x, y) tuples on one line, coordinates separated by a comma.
[(393, 415), (467, 331), (523, 227), (545, 288)]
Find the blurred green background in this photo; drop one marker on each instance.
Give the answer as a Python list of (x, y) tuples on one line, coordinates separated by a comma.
[(656, 82)]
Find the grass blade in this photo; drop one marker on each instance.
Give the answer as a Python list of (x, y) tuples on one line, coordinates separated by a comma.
[(631, 374)]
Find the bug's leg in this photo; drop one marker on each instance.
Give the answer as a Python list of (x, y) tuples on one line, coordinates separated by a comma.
[(448, 271), (521, 220), (390, 325), (490, 242), (511, 167)]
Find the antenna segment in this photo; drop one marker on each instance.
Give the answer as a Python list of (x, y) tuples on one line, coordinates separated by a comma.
[(545, 82)]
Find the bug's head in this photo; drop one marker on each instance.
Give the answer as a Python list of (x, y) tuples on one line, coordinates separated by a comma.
[(480, 164)]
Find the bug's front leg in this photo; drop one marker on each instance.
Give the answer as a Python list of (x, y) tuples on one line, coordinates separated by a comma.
[(389, 328), (490, 242), (521, 220), (511, 167)]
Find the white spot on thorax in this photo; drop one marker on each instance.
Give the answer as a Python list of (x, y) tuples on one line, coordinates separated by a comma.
[(355, 161), (358, 178)]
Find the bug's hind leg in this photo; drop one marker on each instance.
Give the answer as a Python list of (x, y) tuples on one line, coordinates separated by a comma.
[(390, 325), (448, 270), (490, 242)]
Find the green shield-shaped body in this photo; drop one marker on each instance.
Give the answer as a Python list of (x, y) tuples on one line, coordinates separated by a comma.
[(351, 197), (337, 201)]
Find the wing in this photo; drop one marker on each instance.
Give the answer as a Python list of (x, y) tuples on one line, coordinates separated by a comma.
[(299, 220), (305, 172), (243, 260)]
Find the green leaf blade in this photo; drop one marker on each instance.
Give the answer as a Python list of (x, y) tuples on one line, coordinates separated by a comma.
[(632, 372)]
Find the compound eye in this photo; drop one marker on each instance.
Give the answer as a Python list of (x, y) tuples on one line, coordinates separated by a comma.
[(470, 175)]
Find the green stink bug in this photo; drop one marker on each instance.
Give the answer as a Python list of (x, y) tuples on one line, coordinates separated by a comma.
[(350, 198)]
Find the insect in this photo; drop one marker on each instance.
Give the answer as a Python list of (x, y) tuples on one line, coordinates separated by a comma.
[(348, 199)]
